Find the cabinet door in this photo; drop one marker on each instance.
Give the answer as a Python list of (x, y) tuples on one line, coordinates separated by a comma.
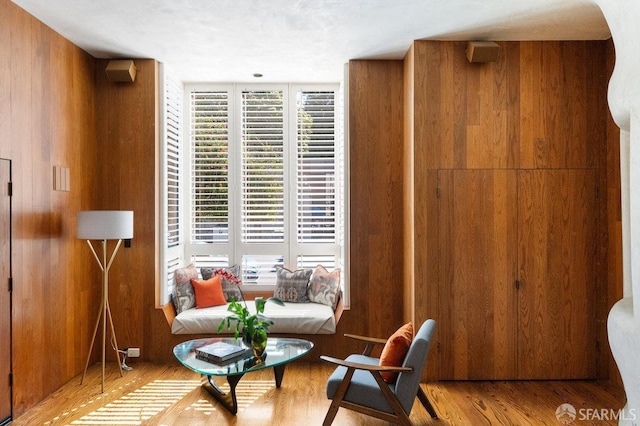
[(557, 222), (477, 296)]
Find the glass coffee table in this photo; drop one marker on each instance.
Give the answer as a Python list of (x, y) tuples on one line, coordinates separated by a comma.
[(279, 352)]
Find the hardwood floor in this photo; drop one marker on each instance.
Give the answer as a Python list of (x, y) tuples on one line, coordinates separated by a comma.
[(171, 395)]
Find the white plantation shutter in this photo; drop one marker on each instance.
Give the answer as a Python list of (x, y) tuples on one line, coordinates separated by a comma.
[(316, 167), (265, 176), (172, 218), (173, 154), (171, 265), (262, 133), (210, 166)]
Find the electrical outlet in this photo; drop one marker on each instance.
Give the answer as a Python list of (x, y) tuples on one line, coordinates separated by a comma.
[(133, 352)]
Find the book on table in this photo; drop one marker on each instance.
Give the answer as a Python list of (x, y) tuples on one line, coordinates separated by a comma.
[(219, 352)]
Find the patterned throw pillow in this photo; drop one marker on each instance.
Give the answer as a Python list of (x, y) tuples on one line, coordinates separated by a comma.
[(230, 289), (292, 286), (324, 287), (183, 296)]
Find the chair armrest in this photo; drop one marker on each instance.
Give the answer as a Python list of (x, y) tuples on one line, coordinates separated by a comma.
[(366, 339), (370, 341), (367, 367)]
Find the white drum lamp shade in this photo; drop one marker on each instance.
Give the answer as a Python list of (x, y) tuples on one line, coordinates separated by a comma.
[(105, 225)]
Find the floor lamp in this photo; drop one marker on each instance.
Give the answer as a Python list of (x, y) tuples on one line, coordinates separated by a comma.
[(104, 225)]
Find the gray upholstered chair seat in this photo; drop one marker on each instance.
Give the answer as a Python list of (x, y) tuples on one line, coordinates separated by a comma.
[(363, 389)]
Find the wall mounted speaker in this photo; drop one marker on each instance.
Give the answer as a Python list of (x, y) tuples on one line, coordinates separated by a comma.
[(121, 70), (482, 51)]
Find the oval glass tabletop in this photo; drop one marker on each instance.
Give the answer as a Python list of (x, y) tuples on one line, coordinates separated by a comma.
[(280, 350)]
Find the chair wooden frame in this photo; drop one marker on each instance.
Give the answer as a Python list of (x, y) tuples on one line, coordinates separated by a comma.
[(399, 416)]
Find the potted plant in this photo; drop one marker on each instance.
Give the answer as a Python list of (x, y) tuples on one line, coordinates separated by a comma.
[(253, 326)]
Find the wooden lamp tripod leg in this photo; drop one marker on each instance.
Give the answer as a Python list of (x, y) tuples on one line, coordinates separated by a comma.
[(93, 340), (113, 336)]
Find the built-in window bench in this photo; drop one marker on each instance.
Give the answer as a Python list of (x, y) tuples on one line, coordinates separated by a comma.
[(312, 298), (293, 318)]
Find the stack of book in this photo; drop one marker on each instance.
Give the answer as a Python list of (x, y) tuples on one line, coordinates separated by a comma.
[(222, 352)]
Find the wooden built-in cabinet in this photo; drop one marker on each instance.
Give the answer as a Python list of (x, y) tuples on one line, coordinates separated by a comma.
[(506, 216), (559, 277), (477, 224), (517, 285)]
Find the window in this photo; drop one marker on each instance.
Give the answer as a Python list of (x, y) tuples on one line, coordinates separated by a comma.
[(209, 130), (262, 167), (260, 183)]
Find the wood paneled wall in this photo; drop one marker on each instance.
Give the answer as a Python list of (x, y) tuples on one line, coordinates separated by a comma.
[(47, 118), (542, 105), (128, 168), (539, 106), (376, 193)]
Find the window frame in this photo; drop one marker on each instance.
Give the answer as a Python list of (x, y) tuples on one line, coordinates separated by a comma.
[(234, 249)]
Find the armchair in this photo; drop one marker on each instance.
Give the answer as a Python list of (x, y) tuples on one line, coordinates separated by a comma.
[(356, 383)]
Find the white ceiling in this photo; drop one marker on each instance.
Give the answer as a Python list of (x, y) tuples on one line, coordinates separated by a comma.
[(299, 40)]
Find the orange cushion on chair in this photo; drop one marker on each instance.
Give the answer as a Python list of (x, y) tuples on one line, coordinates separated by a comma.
[(394, 350), (208, 292)]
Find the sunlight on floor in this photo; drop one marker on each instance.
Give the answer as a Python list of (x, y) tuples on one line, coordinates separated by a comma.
[(141, 404), (149, 400), (203, 405)]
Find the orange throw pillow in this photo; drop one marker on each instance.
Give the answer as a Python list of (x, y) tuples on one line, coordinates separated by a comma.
[(208, 292), (394, 350)]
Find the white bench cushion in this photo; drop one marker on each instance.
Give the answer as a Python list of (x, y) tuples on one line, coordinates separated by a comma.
[(293, 318)]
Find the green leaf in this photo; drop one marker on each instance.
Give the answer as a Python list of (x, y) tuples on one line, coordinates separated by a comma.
[(260, 302), (275, 300)]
